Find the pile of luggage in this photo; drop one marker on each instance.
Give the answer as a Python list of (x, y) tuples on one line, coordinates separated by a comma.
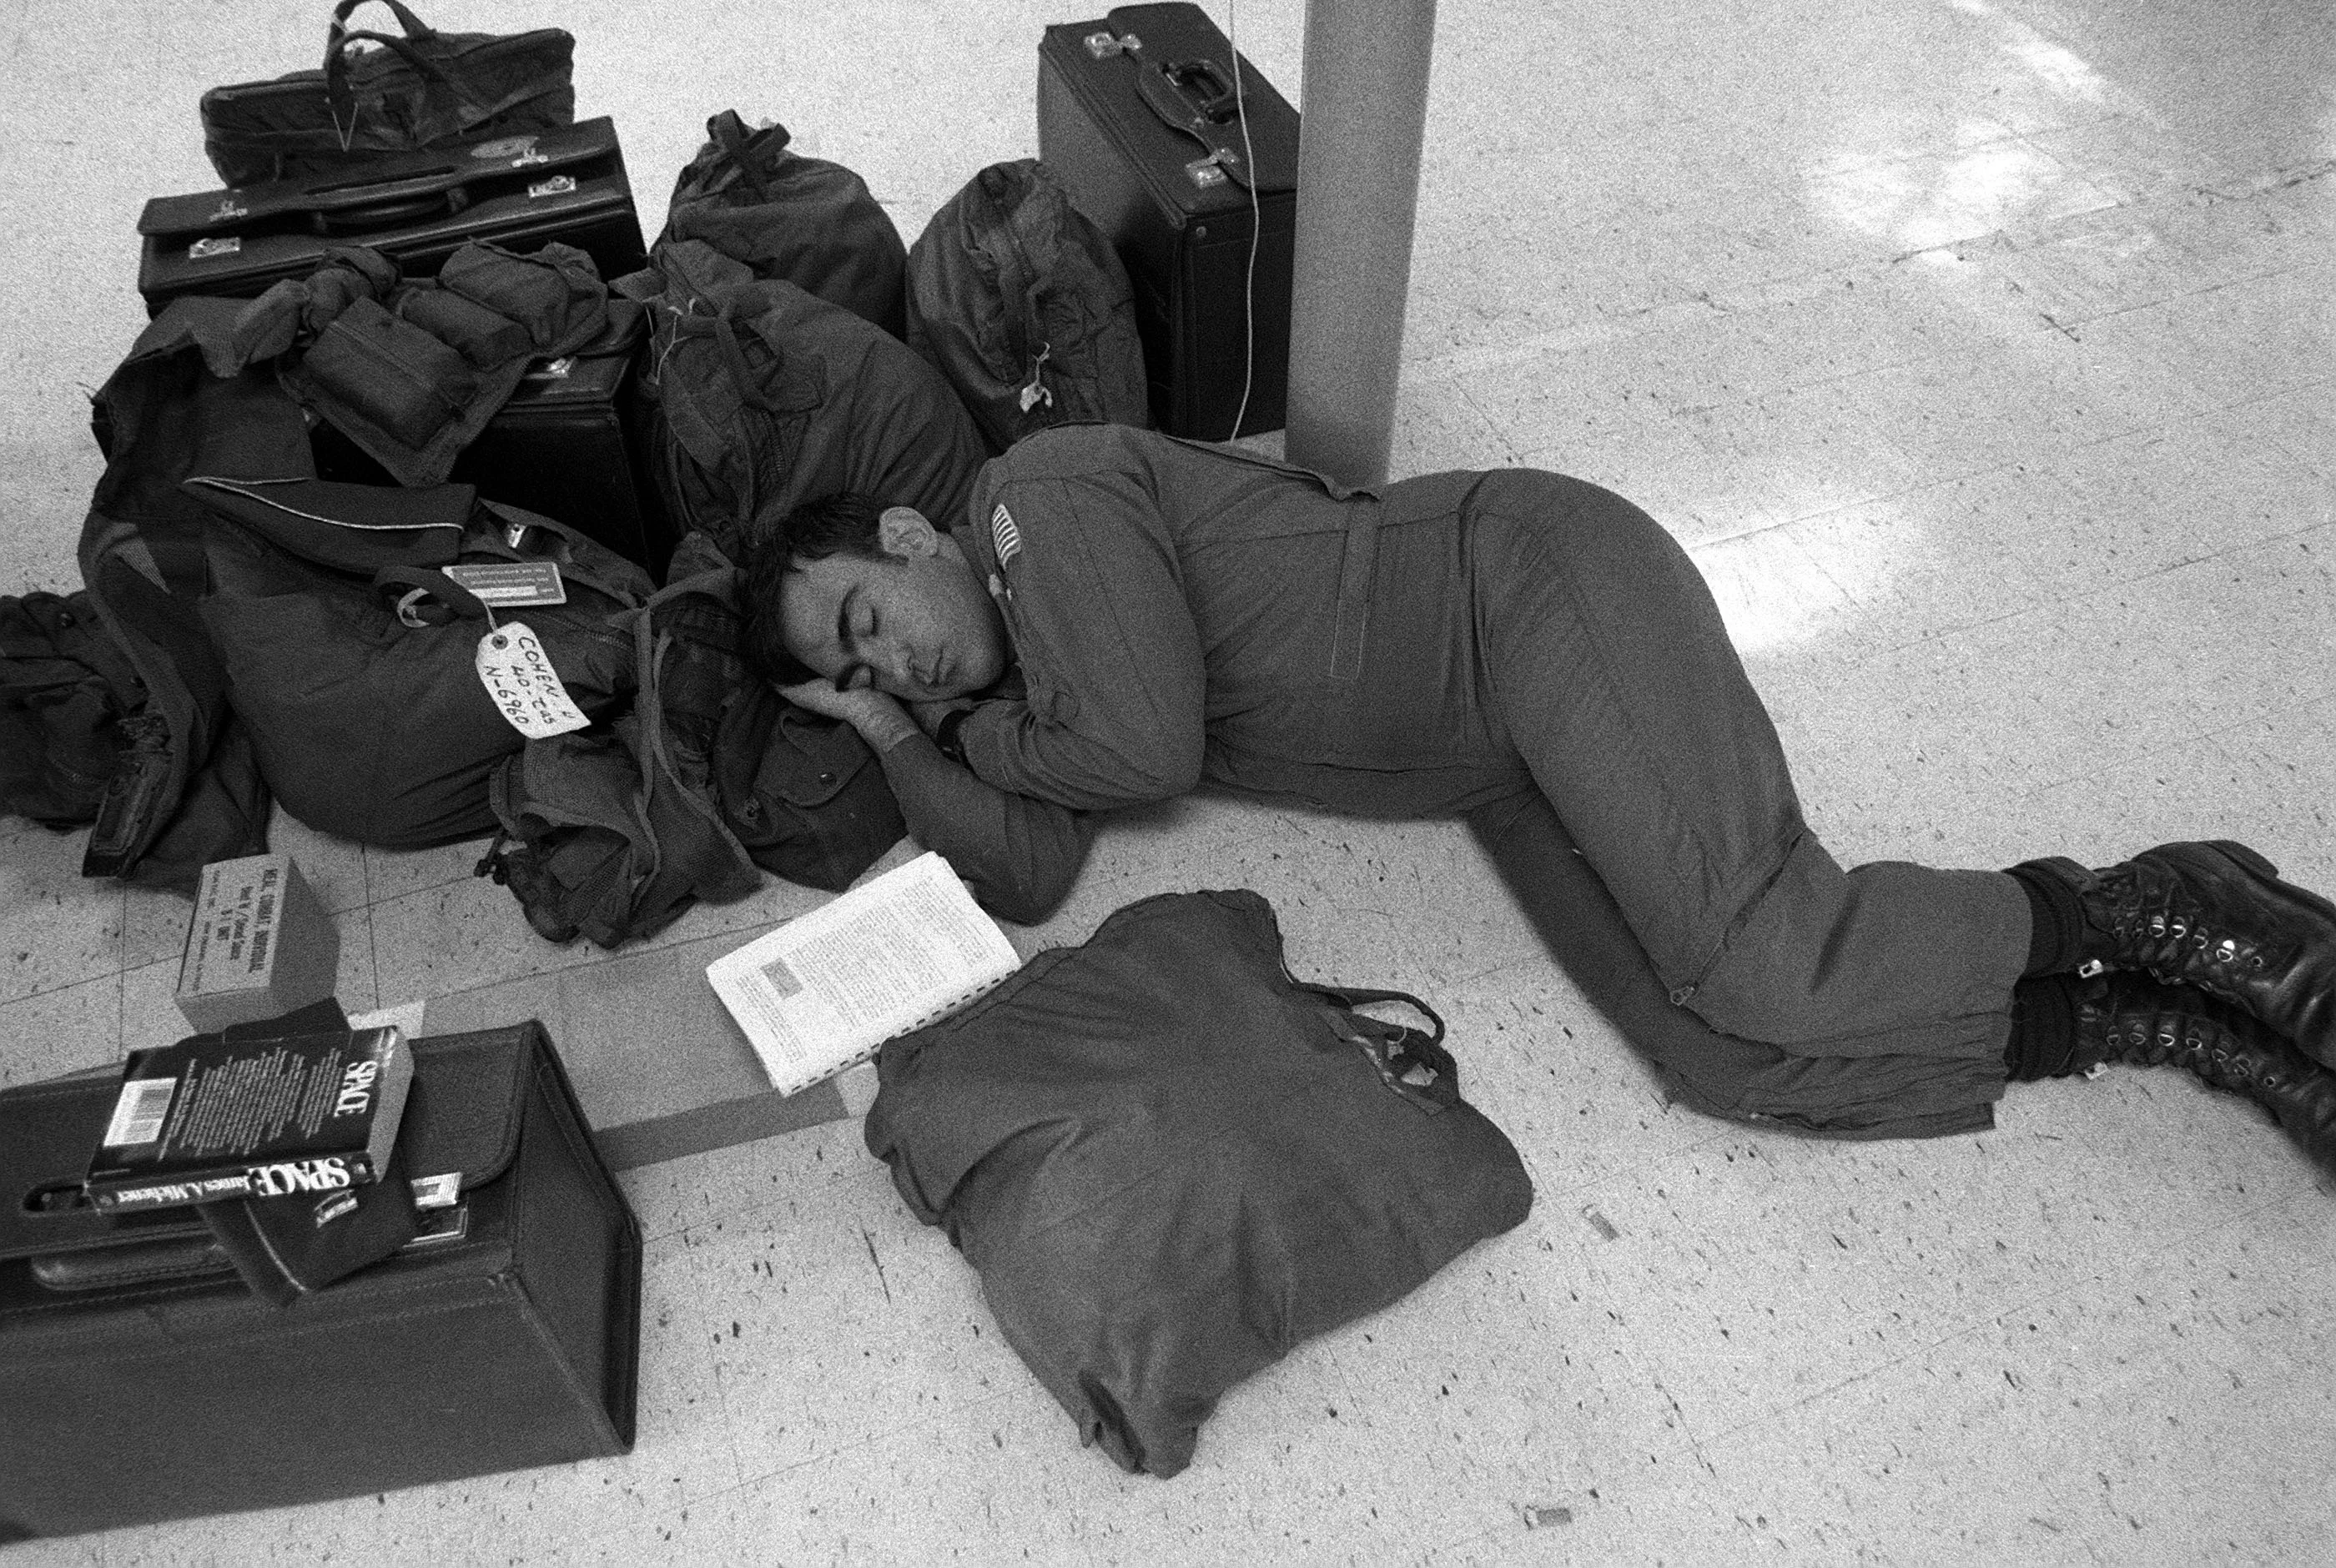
[(426, 493), (415, 394)]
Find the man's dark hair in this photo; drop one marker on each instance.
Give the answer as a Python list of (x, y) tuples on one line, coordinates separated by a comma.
[(844, 524)]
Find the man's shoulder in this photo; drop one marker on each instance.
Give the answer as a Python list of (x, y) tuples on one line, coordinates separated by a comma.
[(1071, 452), (1023, 512)]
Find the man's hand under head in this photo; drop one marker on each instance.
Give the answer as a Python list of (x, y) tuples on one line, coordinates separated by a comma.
[(880, 719)]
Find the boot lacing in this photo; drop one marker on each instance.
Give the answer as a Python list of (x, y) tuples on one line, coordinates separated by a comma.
[(2135, 924)]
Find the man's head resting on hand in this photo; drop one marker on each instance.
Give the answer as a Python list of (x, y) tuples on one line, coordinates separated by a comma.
[(850, 590)]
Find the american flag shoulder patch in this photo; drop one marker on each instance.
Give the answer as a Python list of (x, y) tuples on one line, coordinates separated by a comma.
[(1003, 534)]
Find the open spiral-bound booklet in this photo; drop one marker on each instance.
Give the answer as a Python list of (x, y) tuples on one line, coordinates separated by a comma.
[(822, 991)]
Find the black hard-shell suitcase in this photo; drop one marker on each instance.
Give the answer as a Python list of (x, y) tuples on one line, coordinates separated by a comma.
[(572, 443), (140, 1381), (521, 192), (1136, 116)]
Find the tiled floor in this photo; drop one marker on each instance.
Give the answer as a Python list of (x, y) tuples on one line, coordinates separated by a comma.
[(1981, 349)]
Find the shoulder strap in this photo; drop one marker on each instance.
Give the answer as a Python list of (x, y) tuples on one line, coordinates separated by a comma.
[(1351, 997), (416, 583), (1017, 288)]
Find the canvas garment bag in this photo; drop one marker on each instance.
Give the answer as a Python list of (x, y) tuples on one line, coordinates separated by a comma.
[(1170, 1162), (784, 216), (766, 396), (370, 722), (1022, 303)]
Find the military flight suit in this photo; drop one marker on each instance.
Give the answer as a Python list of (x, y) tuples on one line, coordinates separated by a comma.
[(1533, 653)]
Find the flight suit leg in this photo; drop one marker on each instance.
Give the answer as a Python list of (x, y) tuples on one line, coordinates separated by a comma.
[(1849, 1097), (1612, 672)]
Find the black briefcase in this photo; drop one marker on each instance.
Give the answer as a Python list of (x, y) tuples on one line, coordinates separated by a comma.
[(520, 192), (140, 1381), (1136, 116), (571, 443)]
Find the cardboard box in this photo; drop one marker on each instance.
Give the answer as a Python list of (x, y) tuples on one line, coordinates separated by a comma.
[(261, 945)]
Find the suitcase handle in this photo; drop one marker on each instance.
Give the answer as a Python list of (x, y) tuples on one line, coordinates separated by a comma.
[(1192, 96), (1215, 100), (415, 26), (359, 207), (340, 99)]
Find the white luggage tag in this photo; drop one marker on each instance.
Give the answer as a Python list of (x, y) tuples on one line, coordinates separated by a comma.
[(516, 670)]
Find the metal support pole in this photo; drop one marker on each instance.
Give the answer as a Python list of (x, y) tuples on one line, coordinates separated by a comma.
[(1365, 110)]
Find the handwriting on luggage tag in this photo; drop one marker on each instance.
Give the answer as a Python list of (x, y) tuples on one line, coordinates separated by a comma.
[(516, 670)]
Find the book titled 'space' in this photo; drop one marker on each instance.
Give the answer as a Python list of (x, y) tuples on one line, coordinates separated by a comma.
[(210, 1119)]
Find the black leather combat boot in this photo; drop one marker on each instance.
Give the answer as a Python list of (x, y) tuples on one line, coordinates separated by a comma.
[(2216, 916), (2131, 1018)]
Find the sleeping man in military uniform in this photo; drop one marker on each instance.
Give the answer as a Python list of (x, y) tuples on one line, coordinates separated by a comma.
[(1123, 616)]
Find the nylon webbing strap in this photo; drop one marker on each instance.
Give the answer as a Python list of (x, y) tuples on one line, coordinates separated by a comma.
[(1018, 291), (730, 131)]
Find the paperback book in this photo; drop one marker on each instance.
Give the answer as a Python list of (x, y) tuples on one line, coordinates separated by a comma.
[(209, 1118), (821, 993)]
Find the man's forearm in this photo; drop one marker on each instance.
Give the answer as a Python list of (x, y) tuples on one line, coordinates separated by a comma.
[(1018, 855)]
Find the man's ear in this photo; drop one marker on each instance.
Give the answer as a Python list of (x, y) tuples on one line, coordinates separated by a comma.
[(903, 532)]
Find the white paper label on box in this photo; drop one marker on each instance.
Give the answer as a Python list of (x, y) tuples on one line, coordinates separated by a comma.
[(517, 673)]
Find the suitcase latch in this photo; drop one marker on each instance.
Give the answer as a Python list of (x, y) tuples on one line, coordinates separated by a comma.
[(552, 369), (1104, 45), (558, 185), (228, 212), (1206, 172), (206, 247)]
